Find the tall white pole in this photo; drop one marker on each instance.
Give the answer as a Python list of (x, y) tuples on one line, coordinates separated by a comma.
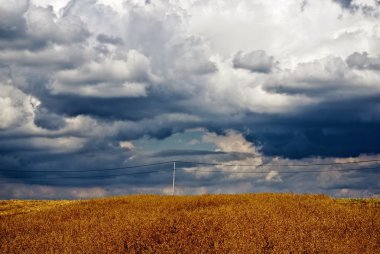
[(173, 178)]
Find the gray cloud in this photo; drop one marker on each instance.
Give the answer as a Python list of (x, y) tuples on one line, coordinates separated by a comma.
[(367, 8), (363, 61), (47, 120), (75, 83), (128, 77), (344, 3), (26, 26), (255, 61), (12, 24), (329, 79), (103, 38)]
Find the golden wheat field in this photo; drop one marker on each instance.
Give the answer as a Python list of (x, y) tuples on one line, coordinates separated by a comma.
[(247, 223)]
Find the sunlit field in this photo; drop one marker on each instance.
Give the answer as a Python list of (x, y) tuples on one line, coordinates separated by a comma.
[(249, 223)]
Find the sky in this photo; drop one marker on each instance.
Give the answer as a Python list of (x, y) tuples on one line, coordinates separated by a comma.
[(249, 88)]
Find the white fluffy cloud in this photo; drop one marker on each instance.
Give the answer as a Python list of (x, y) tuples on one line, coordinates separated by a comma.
[(43, 24), (291, 32), (231, 142), (15, 107)]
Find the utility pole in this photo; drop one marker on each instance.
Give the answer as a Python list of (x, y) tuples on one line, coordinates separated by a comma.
[(173, 178)]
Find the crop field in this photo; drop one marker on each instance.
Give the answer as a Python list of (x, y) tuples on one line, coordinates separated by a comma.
[(246, 223)]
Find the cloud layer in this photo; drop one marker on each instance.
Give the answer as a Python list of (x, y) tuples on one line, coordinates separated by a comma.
[(83, 84)]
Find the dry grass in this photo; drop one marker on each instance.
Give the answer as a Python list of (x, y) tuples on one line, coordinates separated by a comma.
[(13, 207), (251, 223)]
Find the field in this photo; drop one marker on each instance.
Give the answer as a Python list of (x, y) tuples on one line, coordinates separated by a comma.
[(248, 223)]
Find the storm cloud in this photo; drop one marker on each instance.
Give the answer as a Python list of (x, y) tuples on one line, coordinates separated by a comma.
[(109, 84)]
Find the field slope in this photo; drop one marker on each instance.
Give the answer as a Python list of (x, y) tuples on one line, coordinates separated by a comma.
[(249, 223)]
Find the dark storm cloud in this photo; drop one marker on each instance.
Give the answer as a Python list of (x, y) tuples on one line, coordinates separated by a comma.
[(12, 24), (13, 27), (304, 136), (135, 108), (344, 120), (41, 157), (255, 61), (76, 83), (47, 120)]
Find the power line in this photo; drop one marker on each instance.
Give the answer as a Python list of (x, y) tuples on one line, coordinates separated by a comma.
[(191, 162), (89, 170), (81, 177), (188, 162), (280, 165), (281, 172), (192, 171)]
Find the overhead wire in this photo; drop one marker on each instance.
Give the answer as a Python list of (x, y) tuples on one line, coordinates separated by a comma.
[(191, 162), (280, 165), (194, 170), (281, 172), (91, 170), (95, 176)]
